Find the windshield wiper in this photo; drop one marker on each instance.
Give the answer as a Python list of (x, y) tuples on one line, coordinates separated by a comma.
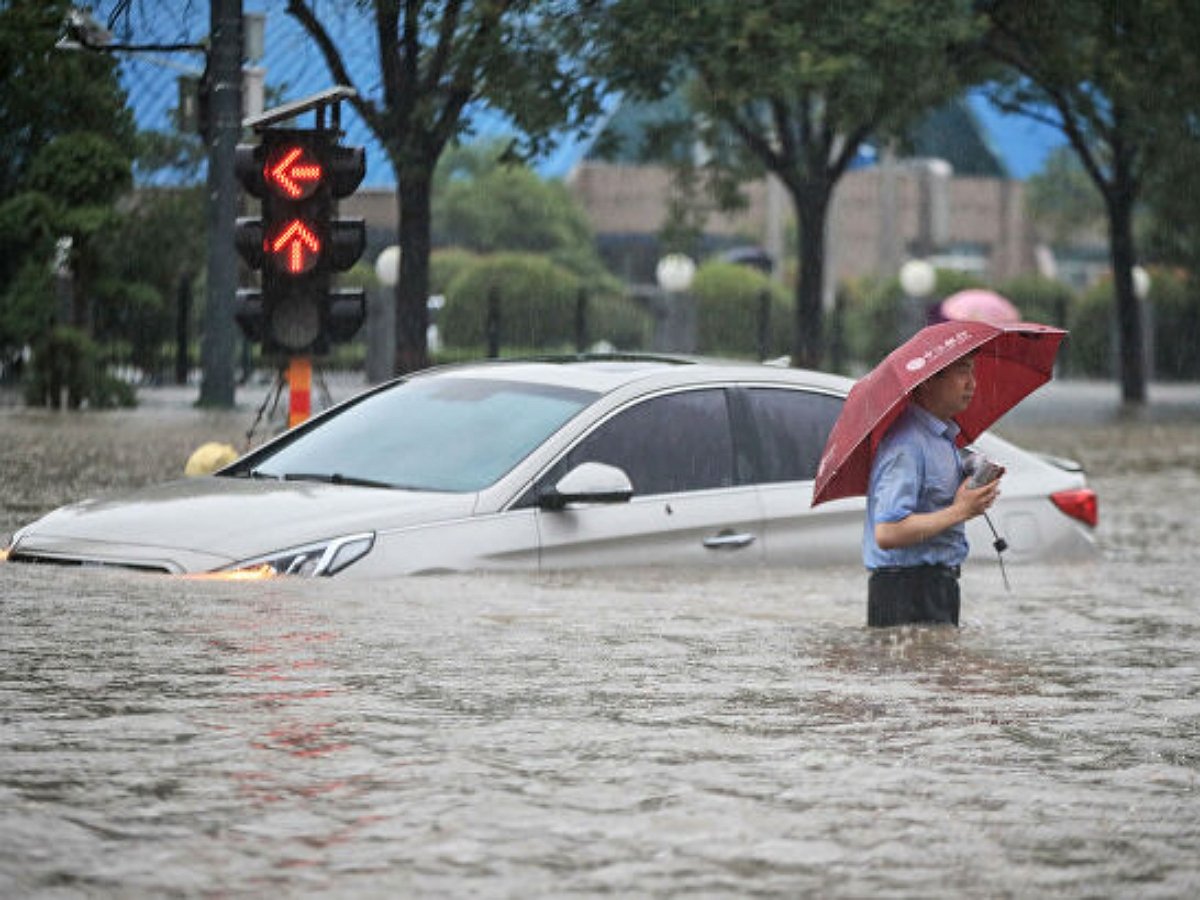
[(336, 478)]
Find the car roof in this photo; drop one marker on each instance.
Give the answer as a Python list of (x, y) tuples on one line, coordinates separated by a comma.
[(606, 373)]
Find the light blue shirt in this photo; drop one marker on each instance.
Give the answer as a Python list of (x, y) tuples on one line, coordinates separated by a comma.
[(917, 469)]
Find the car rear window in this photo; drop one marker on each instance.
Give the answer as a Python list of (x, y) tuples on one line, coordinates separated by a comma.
[(668, 444), (792, 426)]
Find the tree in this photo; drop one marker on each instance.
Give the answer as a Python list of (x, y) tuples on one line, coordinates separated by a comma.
[(437, 59), (1113, 76), (1062, 199), (487, 206), (66, 139), (795, 87)]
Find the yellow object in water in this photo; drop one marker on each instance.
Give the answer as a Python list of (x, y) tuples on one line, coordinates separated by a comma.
[(208, 458)]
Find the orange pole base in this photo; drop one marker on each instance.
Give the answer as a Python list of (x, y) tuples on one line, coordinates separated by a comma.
[(299, 376)]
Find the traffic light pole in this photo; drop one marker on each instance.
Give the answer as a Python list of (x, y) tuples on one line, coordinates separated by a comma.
[(224, 128)]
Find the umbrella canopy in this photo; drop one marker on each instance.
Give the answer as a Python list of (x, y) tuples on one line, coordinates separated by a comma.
[(1011, 361), (978, 305)]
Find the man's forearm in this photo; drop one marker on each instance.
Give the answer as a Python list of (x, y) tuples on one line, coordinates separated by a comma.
[(916, 528)]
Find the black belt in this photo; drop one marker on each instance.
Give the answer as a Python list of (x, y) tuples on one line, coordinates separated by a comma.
[(931, 568)]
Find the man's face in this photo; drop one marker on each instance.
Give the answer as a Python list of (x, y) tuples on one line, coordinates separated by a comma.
[(949, 392)]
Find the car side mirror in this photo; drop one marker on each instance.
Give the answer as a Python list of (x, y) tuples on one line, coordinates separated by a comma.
[(589, 482)]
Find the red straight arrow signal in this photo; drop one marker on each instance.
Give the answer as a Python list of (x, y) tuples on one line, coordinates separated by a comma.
[(299, 246), (296, 179)]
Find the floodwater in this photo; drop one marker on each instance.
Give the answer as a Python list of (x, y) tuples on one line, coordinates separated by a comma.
[(634, 734)]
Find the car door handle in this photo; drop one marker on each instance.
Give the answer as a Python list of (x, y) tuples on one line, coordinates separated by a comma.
[(729, 540)]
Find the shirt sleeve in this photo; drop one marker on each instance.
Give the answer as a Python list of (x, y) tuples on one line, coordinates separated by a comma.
[(896, 486)]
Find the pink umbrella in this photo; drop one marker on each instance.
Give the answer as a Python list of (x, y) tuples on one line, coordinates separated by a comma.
[(979, 305)]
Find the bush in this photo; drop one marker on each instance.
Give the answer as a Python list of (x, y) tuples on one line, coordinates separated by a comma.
[(66, 361), (871, 319), (873, 309), (446, 264), (1092, 336), (1173, 318), (728, 298), (1176, 323), (877, 314), (537, 307), (1040, 299)]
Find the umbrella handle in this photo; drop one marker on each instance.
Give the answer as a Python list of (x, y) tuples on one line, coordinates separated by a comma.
[(1001, 545)]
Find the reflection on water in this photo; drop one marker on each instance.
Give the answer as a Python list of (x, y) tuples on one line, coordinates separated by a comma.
[(635, 733)]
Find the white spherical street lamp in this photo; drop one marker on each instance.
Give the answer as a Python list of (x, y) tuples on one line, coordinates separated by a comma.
[(387, 266), (675, 272), (918, 278), (1141, 283)]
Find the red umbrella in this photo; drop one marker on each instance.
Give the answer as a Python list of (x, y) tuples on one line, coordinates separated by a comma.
[(1011, 361), (979, 305)]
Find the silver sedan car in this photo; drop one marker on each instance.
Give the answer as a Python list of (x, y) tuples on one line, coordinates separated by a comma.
[(540, 465)]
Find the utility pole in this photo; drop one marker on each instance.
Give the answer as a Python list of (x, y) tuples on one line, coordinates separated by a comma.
[(224, 88)]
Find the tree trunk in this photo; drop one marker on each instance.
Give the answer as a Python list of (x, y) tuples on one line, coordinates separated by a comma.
[(1130, 317), (811, 207), (412, 288)]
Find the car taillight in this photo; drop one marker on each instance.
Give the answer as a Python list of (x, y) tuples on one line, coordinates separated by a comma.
[(1079, 504)]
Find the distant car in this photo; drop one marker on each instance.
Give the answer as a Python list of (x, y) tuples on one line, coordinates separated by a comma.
[(540, 465)]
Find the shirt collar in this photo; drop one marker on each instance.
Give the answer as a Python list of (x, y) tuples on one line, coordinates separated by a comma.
[(938, 427)]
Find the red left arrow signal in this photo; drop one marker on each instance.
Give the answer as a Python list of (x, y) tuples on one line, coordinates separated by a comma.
[(293, 174), (298, 246)]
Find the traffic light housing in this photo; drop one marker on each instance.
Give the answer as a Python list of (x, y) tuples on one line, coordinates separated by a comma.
[(298, 242)]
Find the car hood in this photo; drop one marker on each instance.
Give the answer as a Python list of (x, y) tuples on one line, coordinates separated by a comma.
[(207, 523)]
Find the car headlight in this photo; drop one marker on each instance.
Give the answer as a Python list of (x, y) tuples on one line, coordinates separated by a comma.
[(8, 548), (323, 558)]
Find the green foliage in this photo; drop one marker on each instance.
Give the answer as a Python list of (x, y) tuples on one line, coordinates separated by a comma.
[(537, 302), (1175, 300), (80, 169), (1040, 299), (446, 264), (1062, 200), (792, 87), (1119, 79), (951, 281), (48, 94), (27, 305), (872, 317), (153, 253), (1092, 322), (874, 314), (1171, 232), (728, 300), (66, 365), (509, 208), (138, 315), (66, 141), (1174, 303)]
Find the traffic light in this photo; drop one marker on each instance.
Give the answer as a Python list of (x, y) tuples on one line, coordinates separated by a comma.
[(298, 243)]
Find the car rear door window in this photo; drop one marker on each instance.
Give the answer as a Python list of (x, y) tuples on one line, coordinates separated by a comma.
[(792, 427), (667, 444)]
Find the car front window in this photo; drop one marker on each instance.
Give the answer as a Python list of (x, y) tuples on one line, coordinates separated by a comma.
[(431, 434)]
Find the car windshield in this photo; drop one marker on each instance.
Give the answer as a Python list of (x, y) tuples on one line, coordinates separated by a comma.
[(430, 434)]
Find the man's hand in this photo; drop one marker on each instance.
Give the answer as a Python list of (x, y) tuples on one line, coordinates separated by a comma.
[(974, 502)]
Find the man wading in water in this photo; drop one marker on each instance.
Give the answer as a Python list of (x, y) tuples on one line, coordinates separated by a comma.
[(918, 502)]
